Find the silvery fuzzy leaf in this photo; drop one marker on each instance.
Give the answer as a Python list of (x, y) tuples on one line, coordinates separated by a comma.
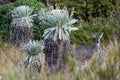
[(47, 35), (64, 26), (73, 28), (63, 36), (55, 34), (60, 34), (59, 18), (32, 47), (48, 30), (66, 33), (72, 21), (30, 59), (22, 16)]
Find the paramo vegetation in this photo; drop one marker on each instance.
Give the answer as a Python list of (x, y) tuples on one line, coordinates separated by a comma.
[(37, 27), (94, 16)]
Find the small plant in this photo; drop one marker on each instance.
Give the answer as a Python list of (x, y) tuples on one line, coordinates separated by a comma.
[(22, 24), (32, 48)]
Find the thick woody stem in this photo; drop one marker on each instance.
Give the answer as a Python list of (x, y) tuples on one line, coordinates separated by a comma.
[(21, 35), (54, 53), (34, 62)]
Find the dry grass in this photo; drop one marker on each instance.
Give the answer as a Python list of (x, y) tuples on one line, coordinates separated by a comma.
[(10, 69), (8, 53)]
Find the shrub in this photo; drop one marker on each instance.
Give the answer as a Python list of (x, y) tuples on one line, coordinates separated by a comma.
[(5, 20), (105, 25), (87, 8), (95, 16)]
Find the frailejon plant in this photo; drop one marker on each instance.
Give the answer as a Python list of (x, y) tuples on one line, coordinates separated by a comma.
[(22, 24), (60, 23), (32, 48), (56, 37)]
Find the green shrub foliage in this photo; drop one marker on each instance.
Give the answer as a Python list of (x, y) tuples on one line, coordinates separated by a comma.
[(6, 18), (95, 16), (88, 8)]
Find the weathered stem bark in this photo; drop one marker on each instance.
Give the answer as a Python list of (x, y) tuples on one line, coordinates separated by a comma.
[(34, 62), (21, 35), (54, 53)]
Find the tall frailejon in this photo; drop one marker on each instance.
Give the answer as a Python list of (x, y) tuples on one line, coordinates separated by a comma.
[(21, 25), (56, 37)]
